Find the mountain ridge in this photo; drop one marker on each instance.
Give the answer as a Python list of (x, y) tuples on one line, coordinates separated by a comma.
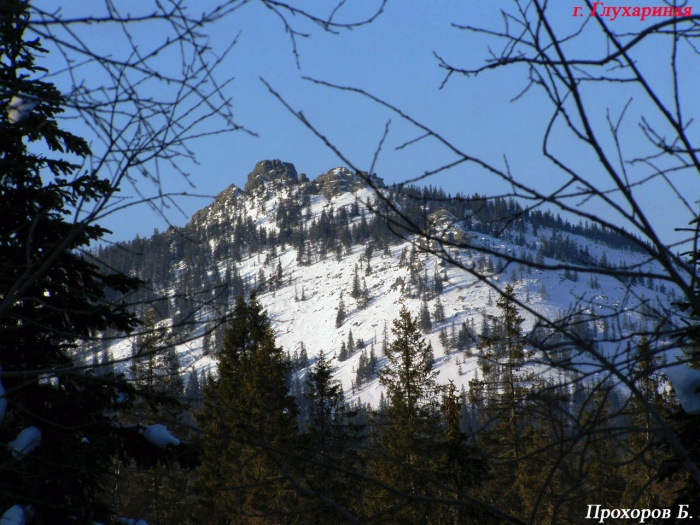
[(309, 248)]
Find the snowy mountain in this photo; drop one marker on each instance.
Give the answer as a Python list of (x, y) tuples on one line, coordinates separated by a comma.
[(312, 248)]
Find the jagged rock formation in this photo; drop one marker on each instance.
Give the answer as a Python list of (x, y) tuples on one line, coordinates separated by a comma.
[(341, 180), (274, 171)]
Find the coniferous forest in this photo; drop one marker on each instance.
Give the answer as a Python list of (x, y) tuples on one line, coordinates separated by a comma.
[(429, 453), (326, 350)]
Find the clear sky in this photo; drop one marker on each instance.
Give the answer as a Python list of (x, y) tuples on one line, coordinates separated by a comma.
[(393, 58)]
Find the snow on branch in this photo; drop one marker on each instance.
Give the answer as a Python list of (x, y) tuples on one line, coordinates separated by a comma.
[(686, 384), (26, 441)]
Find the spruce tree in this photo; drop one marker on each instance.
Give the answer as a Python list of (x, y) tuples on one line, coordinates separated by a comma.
[(444, 340), (644, 441), (356, 290), (146, 351), (362, 373), (303, 356), (385, 339), (155, 371), (52, 298), (542, 486), (459, 465), (598, 449), (502, 356), (439, 312), (351, 343), (280, 275), (327, 407), (171, 385), (363, 300), (341, 314), (250, 426), (372, 360), (426, 324), (193, 391), (438, 287), (343, 354), (404, 457), (453, 340), (335, 433)]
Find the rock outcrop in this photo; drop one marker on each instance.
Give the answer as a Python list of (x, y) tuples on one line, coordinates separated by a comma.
[(271, 171), (340, 180)]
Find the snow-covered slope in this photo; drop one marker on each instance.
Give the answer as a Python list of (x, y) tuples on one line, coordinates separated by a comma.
[(303, 304)]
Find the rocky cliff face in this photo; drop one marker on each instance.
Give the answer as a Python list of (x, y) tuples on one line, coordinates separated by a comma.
[(341, 180), (271, 171)]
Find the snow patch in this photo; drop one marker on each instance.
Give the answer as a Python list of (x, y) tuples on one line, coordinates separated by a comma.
[(686, 383), (15, 515), (25, 442), (20, 107), (119, 397), (159, 436)]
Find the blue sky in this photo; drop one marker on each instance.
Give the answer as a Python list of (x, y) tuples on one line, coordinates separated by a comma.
[(393, 59)]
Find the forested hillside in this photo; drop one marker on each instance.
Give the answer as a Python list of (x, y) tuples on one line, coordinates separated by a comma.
[(412, 389), (330, 348)]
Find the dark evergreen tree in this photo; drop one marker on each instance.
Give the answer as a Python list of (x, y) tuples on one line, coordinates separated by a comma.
[(439, 312), (343, 354), (356, 290), (145, 352), (171, 383), (327, 405), (444, 341), (302, 258), (193, 391), (366, 367), (438, 287), (363, 300), (502, 356), (279, 275), (303, 356), (453, 341), (341, 314), (426, 324), (53, 297), (362, 372), (250, 425), (106, 363), (404, 457), (207, 343), (465, 338), (372, 360), (459, 465), (155, 371), (644, 441), (385, 339)]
